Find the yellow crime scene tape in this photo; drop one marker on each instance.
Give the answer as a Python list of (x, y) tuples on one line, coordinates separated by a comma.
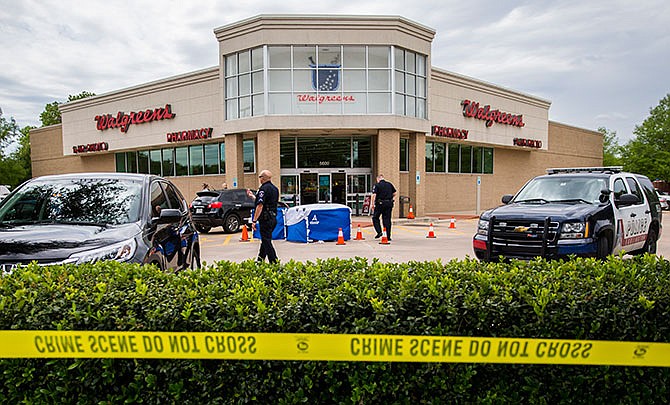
[(328, 347)]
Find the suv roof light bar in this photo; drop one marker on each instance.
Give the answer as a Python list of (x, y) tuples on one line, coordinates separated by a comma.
[(607, 169)]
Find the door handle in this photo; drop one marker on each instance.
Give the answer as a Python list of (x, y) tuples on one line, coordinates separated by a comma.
[(633, 215)]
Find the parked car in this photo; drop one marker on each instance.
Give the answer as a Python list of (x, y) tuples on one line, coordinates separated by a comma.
[(573, 211), (4, 192), (664, 200), (226, 208), (87, 217)]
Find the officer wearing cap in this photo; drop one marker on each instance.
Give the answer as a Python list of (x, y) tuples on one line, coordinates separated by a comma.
[(383, 194)]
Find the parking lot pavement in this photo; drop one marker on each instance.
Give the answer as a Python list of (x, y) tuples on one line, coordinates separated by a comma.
[(409, 243)]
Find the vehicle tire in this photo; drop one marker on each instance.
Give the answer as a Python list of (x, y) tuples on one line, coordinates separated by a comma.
[(203, 229), (603, 247), (231, 224), (651, 243)]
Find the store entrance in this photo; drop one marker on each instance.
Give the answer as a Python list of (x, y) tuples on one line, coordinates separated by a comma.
[(309, 188)]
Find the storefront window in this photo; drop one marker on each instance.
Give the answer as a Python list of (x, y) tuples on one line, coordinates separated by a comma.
[(249, 151), (454, 158), (362, 151), (466, 159), (404, 155), (168, 162), (430, 157), (155, 162), (477, 162), (211, 158), (440, 158), (181, 161), (488, 160), (287, 152), (324, 152), (244, 84), (143, 162), (410, 82), (120, 162), (195, 160), (131, 162)]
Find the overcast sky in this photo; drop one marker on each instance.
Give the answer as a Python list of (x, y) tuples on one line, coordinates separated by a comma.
[(600, 62)]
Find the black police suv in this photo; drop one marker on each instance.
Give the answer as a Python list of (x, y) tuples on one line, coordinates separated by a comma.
[(230, 209), (87, 217), (573, 211)]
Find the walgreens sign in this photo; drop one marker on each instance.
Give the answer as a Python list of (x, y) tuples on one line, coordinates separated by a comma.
[(472, 109), (123, 121)]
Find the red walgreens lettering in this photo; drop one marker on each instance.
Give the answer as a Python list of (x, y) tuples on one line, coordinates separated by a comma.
[(472, 109), (123, 120)]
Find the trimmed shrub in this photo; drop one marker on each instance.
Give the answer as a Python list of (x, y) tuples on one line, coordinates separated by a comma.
[(625, 300)]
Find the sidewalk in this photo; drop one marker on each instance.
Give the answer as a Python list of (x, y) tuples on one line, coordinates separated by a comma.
[(366, 220)]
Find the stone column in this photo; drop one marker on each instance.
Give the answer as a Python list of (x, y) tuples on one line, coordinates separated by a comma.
[(417, 163), (267, 153), (234, 161), (388, 161)]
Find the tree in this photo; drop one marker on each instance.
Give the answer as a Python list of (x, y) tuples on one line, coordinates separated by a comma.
[(611, 148), (51, 113), (15, 165), (649, 152)]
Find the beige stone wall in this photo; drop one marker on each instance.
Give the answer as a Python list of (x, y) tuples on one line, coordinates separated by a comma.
[(46, 146)]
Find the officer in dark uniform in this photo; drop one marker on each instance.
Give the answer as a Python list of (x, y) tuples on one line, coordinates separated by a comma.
[(265, 213), (383, 194)]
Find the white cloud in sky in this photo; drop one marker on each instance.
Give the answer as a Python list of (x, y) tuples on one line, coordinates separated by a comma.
[(601, 63)]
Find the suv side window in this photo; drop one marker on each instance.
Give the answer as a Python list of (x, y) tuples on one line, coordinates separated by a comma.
[(173, 197), (635, 189), (618, 189), (158, 200)]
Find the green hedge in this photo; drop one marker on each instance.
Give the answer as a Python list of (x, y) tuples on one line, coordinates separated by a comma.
[(580, 299)]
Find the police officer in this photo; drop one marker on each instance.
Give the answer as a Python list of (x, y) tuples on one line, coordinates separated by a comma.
[(383, 194), (265, 213)]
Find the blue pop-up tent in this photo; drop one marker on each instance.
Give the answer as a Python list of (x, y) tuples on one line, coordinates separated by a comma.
[(280, 230), (313, 222)]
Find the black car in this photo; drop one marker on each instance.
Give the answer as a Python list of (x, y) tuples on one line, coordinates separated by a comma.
[(227, 208), (87, 217), (594, 211)]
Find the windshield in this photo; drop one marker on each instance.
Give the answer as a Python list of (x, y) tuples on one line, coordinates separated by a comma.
[(562, 189), (76, 201)]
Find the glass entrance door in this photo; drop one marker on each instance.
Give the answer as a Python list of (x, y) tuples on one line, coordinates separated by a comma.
[(309, 188), (324, 188), (339, 188)]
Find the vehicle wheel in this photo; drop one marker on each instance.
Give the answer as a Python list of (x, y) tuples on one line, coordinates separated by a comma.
[(203, 229), (651, 243), (603, 248), (231, 224)]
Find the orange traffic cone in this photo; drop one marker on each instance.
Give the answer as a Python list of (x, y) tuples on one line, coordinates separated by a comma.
[(431, 232), (452, 224), (359, 234), (411, 212), (340, 237), (385, 239), (245, 234)]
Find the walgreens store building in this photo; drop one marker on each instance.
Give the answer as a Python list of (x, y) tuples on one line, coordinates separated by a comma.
[(324, 102)]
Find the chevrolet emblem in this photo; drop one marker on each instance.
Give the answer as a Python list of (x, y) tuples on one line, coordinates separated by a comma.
[(521, 229)]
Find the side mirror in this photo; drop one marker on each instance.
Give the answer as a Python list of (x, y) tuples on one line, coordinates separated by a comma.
[(507, 198), (168, 216), (604, 195), (626, 200)]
